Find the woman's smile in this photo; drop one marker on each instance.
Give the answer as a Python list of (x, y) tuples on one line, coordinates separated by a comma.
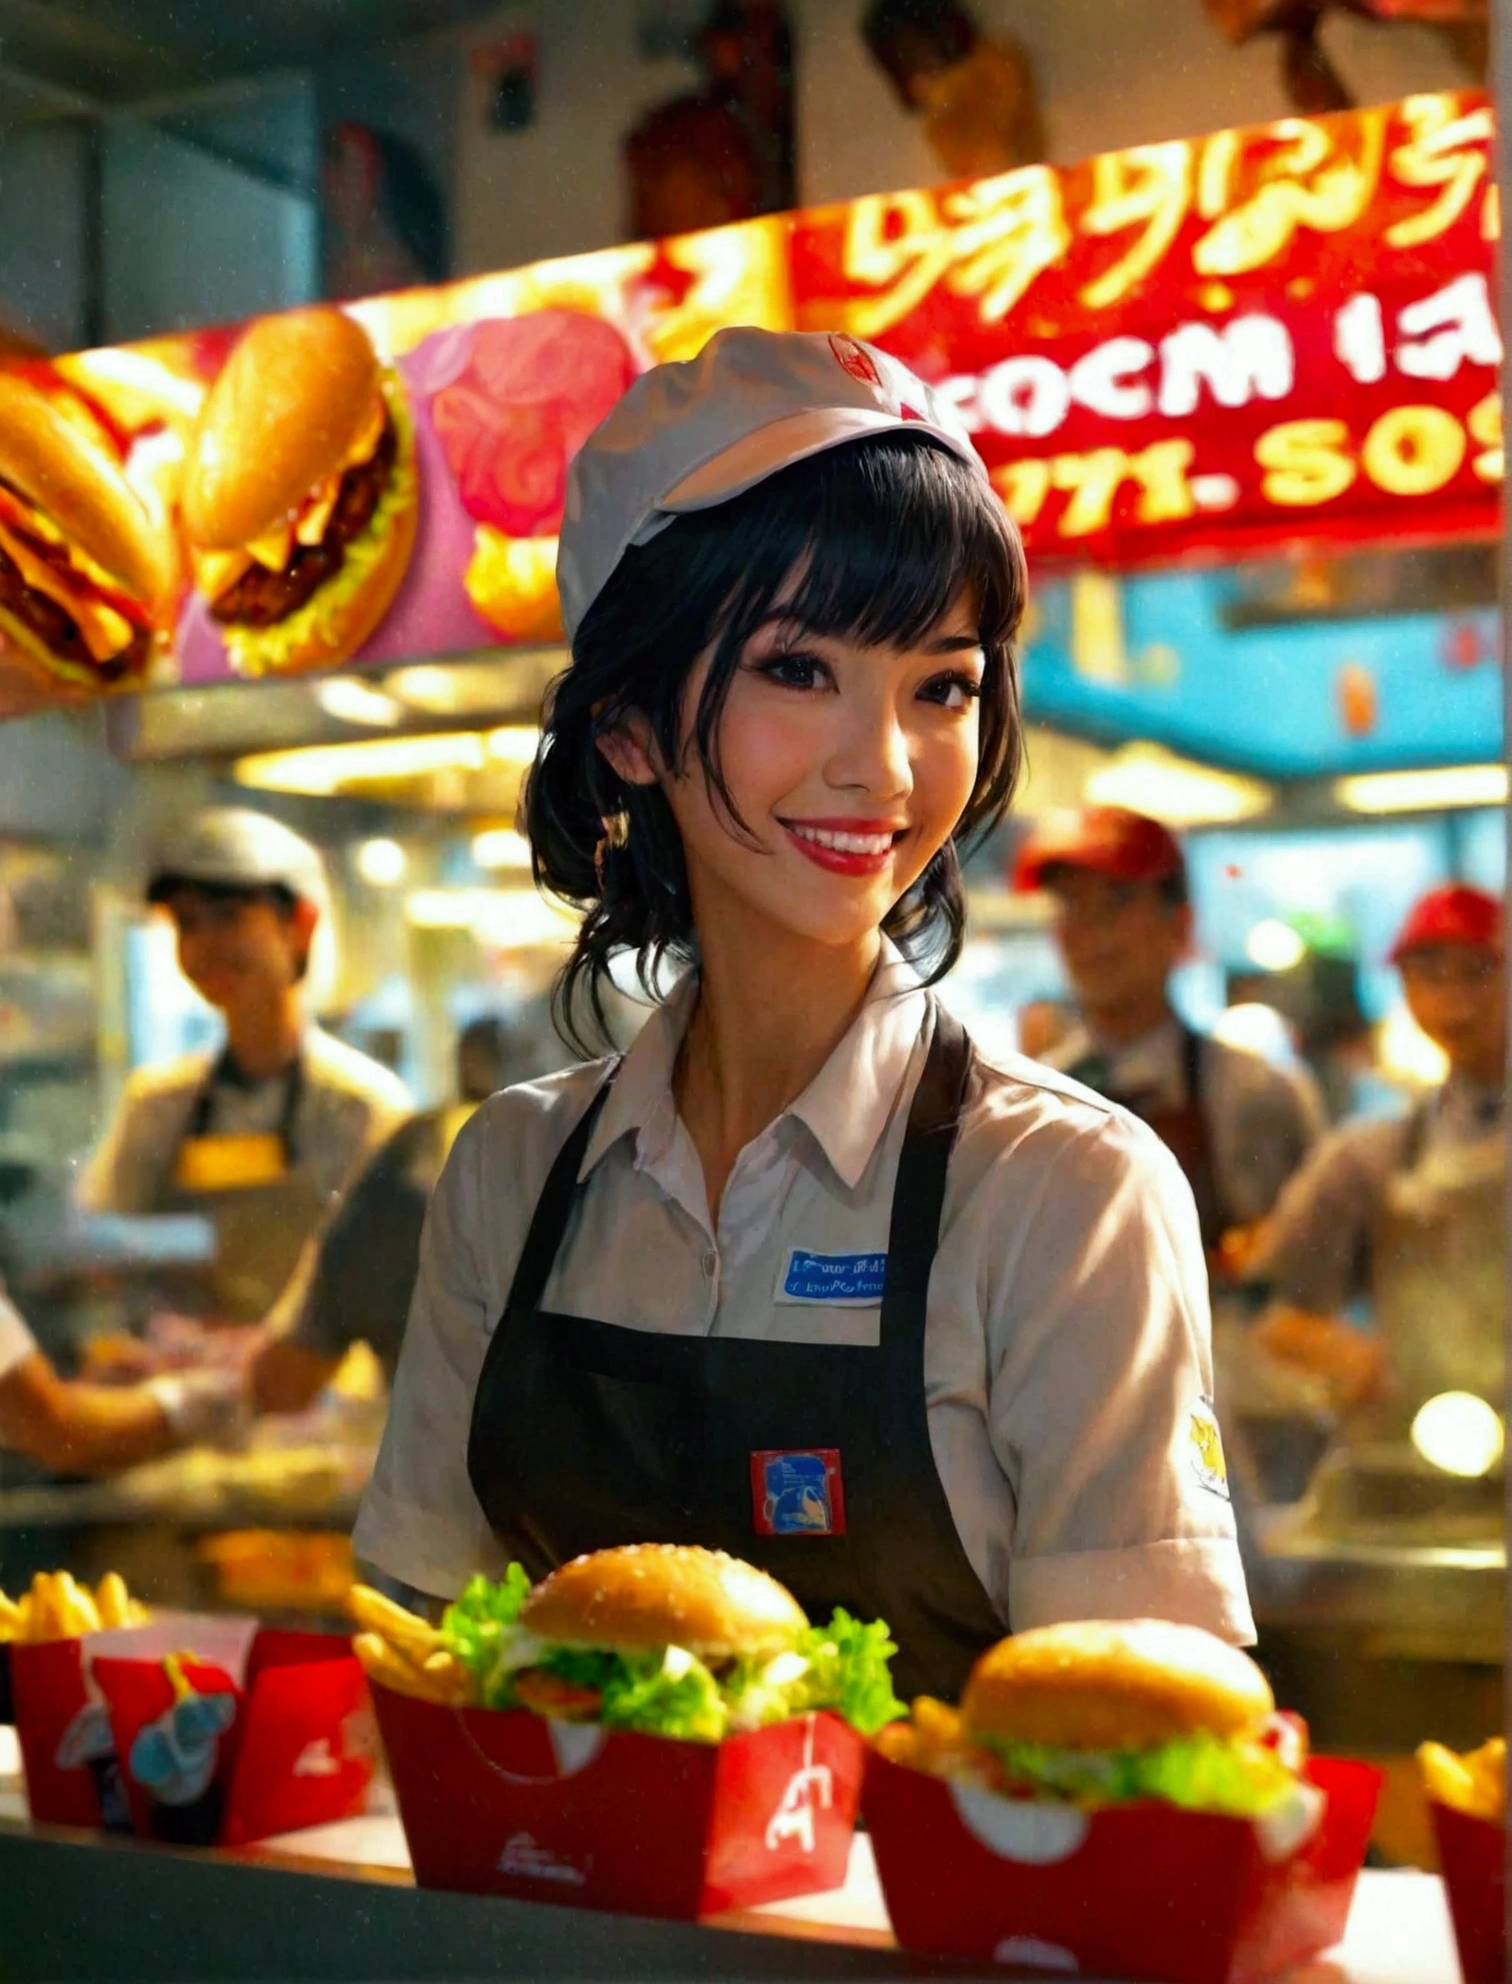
[(846, 847)]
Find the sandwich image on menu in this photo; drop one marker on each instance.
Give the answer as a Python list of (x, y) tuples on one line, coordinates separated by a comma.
[(300, 493), (83, 569)]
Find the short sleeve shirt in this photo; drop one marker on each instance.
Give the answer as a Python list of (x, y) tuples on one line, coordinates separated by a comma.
[(349, 1105), (1317, 1252), (1262, 1121), (1067, 1355)]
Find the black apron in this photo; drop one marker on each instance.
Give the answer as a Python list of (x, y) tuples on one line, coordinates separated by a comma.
[(1183, 1131), (587, 1435)]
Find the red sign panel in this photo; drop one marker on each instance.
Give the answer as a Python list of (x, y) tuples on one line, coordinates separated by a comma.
[(1230, 340)]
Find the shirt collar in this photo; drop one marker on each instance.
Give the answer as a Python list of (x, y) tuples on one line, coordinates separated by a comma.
[(845, 1108)]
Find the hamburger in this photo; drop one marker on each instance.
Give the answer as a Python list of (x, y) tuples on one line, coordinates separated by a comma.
[(83, 569), (667, 1640), (300, 495), (1100, 1712)]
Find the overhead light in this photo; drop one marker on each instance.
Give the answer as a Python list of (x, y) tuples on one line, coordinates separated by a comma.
[(513, 743), (1177, 791), (381, 863), (501, 847), (1274, 946), (1434, 790), (503, 919), (1459, 1434), (425, 687), (350, 701), (323, 769)]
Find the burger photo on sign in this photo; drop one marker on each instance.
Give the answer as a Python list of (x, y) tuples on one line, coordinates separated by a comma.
[(84, 571), (300, 493)]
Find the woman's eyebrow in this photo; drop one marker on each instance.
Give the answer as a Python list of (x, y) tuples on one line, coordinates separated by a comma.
[(953, 644)]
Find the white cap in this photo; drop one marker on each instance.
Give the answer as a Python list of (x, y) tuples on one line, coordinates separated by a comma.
[(235, 847), (692, 435)]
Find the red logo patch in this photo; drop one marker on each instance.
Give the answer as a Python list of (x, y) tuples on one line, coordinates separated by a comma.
[(797, 1493), (857, 361)]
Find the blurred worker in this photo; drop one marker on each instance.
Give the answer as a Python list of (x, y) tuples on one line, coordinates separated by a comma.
[(1123, 922), (1410, 1213), (75, 1428), (364, 1272), (260, 1138)]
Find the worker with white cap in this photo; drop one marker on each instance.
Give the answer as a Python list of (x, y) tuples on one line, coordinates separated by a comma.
[(262, 1137), (802, 1275), (1409, 1214)]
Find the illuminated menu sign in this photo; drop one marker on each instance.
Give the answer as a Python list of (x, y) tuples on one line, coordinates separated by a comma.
[(1203, 346)]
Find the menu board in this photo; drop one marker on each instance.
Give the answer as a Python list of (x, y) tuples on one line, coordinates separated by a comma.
[(1189, 347)]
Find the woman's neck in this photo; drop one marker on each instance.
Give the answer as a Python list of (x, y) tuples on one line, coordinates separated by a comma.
[(263, 1036), (771, 1009)]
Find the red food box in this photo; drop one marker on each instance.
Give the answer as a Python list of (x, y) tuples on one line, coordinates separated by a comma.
[(253, 1733), (508, 1802), (1133, 1891), (1473, 1856)]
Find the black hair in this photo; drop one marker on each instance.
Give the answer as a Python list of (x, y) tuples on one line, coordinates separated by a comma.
[(877, 540)]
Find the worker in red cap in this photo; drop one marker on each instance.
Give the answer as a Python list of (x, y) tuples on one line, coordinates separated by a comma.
[(1409, 1213), (1123, 922)]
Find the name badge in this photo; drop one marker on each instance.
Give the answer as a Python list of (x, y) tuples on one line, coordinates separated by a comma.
[(798, 1494), (230, 1163), (834, 1277)]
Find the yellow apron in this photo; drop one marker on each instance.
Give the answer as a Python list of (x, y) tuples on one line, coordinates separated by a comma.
[(262, 1204)]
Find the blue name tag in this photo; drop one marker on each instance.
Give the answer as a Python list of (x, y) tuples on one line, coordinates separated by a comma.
[(835, 1277)]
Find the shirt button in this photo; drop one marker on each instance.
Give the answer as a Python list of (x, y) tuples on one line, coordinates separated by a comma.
[(710, 1263)]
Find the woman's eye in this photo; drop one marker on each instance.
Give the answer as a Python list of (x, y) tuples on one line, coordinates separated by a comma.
[(953, 691), (794, 671)]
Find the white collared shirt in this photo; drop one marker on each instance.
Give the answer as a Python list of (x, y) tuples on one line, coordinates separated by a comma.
[(1262, 1122), (1067, 1355)]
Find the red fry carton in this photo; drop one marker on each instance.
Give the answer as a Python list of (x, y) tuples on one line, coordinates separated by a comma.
[(508, 1802), (1134, 1891), (253, 1733), (1473, 1855), (68, 1752)]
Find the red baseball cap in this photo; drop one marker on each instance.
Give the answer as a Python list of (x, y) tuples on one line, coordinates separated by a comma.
[(1455, 914), (1108, 840)]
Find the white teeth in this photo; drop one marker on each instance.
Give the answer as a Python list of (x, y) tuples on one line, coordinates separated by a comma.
[(845, 843)]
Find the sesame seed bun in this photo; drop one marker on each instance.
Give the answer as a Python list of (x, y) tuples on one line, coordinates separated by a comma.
[(1098, 1684), (665, 1594), (284, 410), (55, 465)]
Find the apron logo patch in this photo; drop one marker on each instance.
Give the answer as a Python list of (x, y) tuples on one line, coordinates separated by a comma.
[(1205, 1448), (798, 1494), (835, 1277)]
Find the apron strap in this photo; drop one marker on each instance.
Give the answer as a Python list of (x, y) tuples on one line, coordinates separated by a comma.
[(204, 1103), (919, 1195), (554, 1208)]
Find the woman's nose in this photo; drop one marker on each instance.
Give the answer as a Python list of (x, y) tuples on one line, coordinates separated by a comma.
[(874, 755)]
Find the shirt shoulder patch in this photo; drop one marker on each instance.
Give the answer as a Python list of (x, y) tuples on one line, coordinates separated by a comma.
[(1205, 1448)]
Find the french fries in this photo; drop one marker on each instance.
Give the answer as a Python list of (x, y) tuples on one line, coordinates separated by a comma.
[(403, 1651), (1475, 1784), (58, 1608), (930, 1740)]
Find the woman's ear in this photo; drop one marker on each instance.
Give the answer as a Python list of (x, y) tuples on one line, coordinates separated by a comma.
[(631, 749)]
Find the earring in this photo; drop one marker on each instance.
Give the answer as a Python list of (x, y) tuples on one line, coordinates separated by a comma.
[(616, 835)]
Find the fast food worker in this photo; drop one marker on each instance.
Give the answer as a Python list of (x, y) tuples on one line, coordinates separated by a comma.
[(262, 1136), (1410, 1214), (1238, 1127), (802, 1276), (74, 1427)]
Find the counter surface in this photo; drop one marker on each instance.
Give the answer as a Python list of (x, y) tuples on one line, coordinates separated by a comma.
[(337, 1902)]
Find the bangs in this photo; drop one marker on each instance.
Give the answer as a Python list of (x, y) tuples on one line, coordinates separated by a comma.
[(873, 541)]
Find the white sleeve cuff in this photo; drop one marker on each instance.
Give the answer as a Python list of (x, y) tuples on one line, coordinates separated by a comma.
[(1196, 1581)]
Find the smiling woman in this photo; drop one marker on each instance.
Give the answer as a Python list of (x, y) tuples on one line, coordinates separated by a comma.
[(802, 1277)]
